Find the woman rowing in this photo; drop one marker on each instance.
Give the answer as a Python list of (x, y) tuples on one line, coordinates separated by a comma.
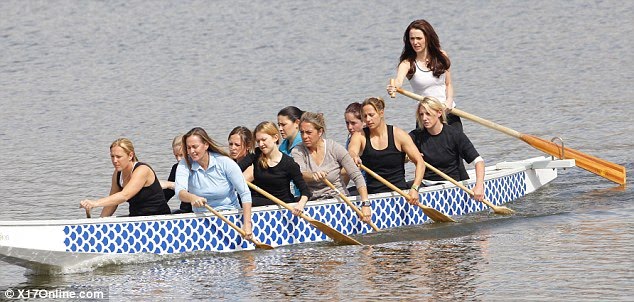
[(274, 170), (382, 148), (320, 159), (444, 147), (208, 176), (132, 181)]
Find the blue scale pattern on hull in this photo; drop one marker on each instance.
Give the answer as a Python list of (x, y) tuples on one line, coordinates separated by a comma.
[(276, 227)]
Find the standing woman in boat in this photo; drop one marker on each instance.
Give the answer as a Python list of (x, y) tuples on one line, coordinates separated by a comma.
[(319, 158), (274, 170), (426, 66), (209, 176), (444, 147), (382, 148), (132, 181), (241, 146), (354, 122)]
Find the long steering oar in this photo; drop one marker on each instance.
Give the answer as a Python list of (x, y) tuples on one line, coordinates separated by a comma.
[(326, 229), (257, 243), (601, 167), (349, 203), (432, 213), (496, 209)]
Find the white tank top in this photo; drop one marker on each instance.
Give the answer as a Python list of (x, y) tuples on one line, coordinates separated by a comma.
[(426, 84)]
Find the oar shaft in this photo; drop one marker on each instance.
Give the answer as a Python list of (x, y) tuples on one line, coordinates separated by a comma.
[(449, 178), (324, 228), (456, 183), (257, 243), (227, 221), (429, 211), (269, 196), (466, 115), (486, 123), (349, 203), (384, 181)]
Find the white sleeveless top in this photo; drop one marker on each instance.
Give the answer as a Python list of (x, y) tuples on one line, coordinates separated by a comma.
[(426, 84)]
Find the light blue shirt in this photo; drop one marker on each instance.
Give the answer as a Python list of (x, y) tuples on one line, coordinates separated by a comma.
[(218, 184)]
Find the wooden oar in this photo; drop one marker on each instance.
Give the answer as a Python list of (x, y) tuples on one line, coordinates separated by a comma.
[(88, 213), (601, 167), (496, 209), (257, 243), (432, 213), (326, 229), (349, 203)]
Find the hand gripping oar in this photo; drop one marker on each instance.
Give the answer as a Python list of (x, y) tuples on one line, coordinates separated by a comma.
[(601, 167), (326, 229), (432, 213), (349, 203), (257, 243), (496, 209)]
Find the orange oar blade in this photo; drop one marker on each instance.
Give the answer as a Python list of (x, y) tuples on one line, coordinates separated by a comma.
[(604, 168)]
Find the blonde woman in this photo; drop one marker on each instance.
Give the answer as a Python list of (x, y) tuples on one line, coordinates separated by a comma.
[(444, 146), (132, 181), (273, 170)]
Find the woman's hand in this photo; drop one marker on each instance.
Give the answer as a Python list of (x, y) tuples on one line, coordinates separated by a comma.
[(357, 160), (199, 202), (367, 214), (478, 191), (413, 197), (319, 176), (391, 89), (87, 204), (248, 233), (298, 209)]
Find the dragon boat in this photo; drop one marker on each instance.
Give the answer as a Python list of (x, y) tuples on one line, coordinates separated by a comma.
[(62, 244)]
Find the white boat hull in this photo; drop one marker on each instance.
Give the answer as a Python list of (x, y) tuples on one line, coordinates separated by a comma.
[(57, 244)]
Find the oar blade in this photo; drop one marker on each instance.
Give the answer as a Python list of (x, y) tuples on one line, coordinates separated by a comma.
[(502, 210), (435, 215), (601, 167), (337, 236), (261, 245)]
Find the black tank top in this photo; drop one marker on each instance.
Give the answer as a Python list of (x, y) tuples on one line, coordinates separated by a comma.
[(389, 163), (150, 200)]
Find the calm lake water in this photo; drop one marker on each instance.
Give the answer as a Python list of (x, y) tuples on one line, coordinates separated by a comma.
[(75, 75)]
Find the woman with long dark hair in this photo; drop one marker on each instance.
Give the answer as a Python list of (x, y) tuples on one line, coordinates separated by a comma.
[(426, 65)]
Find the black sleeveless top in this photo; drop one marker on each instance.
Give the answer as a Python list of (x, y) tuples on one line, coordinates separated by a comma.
[(150, 200), (389, 163)]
